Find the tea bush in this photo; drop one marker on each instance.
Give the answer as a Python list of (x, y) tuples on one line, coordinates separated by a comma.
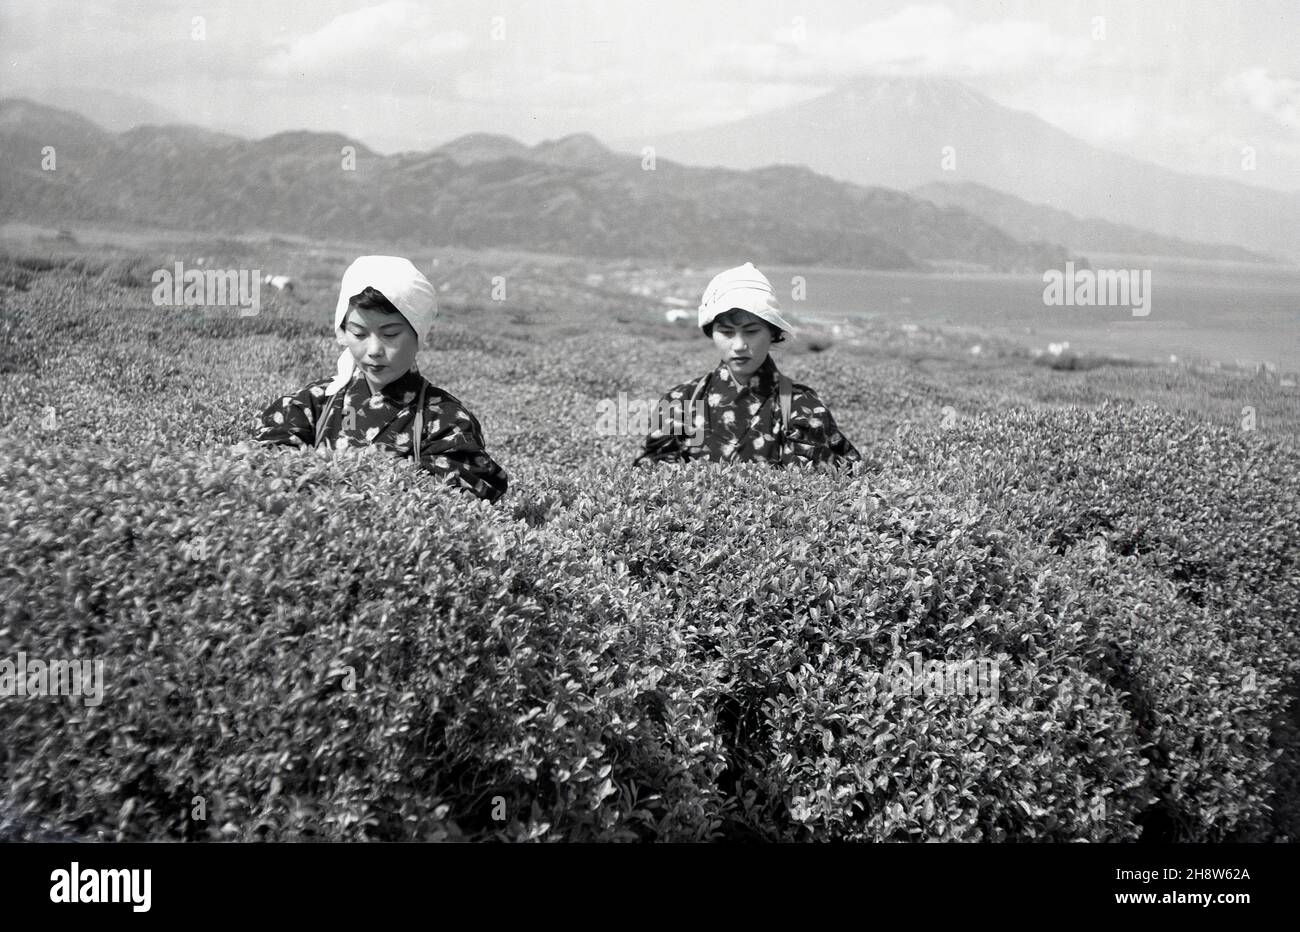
[(307, 646), (329, 649)]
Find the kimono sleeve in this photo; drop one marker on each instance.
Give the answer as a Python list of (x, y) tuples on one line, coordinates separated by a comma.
[(813, 437), (290, 420), (669, 441), (453, 449)]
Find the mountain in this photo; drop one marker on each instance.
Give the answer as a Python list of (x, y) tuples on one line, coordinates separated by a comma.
[(1024, 220), (23, 122), (483, 147), (581, 150), (895, 132), (572, 196), (111, 110)]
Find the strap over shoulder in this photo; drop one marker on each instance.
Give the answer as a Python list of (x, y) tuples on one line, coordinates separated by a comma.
[(417, 427), (324, 417), (699, 390)]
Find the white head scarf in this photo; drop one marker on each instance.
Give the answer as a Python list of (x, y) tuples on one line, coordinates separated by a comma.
[(744, 288), (401, 283)]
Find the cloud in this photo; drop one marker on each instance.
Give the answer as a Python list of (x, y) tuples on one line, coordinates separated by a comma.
[(1275, 97), (397, 41), (540, 88), (919, 39), (98, 45), (1192, 128)]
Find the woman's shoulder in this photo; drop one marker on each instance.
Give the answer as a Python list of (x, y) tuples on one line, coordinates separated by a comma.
[(317, 388), (684, 390), (437, 395), (802, 388), (440, 403), (805, 400), (307, 394)]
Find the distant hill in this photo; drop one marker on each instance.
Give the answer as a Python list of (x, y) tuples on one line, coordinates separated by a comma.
[(109, 109), (1024, 220), (484, 147), (571, 195), (893, 132)]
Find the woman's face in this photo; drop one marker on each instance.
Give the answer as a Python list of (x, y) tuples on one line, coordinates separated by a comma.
[(743, 340), (382, 345)]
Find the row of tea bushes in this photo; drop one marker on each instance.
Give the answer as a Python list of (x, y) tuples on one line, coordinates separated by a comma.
[(334, 647)]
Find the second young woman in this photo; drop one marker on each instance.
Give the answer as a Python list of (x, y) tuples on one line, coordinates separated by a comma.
[(745, 409)]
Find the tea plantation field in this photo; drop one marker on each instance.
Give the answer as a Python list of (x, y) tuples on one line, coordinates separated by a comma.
[(302, 646)]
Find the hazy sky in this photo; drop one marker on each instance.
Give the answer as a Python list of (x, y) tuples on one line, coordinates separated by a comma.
[(1183, 84)]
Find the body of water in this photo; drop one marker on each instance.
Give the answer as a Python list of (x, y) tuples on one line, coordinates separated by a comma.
[(1234, 313)]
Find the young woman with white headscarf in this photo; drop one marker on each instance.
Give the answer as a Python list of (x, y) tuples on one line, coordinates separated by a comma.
[(377, 395), (745, 409)]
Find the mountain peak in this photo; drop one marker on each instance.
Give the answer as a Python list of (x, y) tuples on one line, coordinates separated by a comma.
[(913, 92), (483, 147), (293, 142), (581, 149), (20, 111)]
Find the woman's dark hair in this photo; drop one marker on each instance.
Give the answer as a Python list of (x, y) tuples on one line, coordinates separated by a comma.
[(372, 299), (778, 335)]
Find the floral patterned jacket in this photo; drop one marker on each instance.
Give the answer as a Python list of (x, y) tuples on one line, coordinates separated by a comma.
[(739, 423), (451, 442)]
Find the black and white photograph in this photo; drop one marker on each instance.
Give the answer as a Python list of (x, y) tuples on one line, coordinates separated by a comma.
[(763, 423)]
